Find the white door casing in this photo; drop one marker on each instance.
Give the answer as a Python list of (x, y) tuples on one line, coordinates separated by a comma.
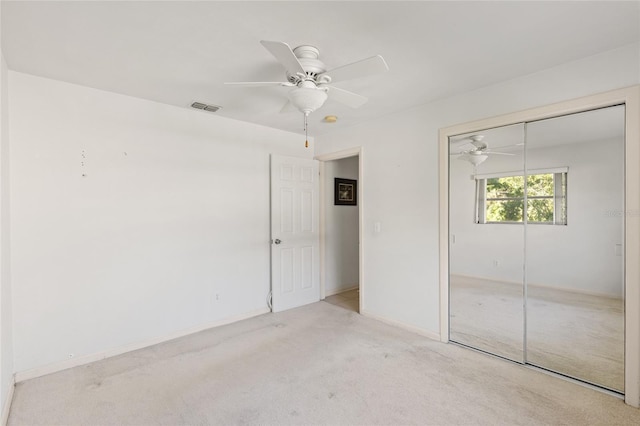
[(295, 236)]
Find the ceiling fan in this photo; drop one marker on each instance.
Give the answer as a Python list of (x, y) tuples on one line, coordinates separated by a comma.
[(310, 80), (478, 152)]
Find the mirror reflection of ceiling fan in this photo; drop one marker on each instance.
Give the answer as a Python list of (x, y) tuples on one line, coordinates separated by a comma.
[(310, 81), (478, 151)]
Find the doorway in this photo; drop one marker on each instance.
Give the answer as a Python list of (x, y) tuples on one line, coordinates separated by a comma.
[(340, 229)]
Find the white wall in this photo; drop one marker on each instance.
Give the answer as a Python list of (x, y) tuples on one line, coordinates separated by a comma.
[(173, 210), (341, 231), (580, 256), (400, 165), (6, 340)]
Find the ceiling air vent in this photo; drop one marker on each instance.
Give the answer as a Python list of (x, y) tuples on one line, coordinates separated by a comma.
[(210, 108)]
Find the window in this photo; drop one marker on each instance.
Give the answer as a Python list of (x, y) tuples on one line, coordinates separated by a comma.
[(500, 198)]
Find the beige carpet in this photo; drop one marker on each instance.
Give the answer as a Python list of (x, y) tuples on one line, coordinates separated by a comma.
[(487, 316), (319, 364), (578, 335)]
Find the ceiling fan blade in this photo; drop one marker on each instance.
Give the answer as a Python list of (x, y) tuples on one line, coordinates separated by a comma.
[(347, 98), (283, 53), (468, 153), (460, 147), (261, 83), (373, 65), (496, 153)]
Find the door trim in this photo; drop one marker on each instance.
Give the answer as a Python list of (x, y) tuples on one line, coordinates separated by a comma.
[(346, 153), (629, 96)]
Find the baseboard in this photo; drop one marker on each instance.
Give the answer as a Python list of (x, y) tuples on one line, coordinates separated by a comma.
[(340, 290), (6, 407), (400, 324), (21, 376)]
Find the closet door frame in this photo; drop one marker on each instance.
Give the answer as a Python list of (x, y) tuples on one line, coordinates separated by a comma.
[(630, 97)]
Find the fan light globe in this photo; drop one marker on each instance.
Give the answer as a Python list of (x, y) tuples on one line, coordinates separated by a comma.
[(307, 99), (476, 159)]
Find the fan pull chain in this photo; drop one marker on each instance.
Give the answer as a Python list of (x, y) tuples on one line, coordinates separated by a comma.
[(306, 136)]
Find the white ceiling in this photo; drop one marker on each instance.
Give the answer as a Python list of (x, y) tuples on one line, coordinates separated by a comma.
[(180, 52), (602, 125)]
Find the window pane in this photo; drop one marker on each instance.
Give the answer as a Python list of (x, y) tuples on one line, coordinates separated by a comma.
[(505, 187), (504, 211), (540, 185), (540, 210), (504, 199)]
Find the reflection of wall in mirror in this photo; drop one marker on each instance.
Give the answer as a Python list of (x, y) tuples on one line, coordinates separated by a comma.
[(583, 256)]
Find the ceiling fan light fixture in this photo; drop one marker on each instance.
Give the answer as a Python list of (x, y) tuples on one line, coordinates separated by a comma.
[(307, 99), (476, 159)]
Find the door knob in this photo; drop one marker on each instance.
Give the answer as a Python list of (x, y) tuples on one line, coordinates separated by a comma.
[(277, 241)]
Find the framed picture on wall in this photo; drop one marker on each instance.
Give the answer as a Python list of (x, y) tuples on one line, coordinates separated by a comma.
[(345, 192)]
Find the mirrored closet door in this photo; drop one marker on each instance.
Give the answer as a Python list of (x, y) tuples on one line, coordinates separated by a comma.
[(486, 258), (536, 270), (574, 243)]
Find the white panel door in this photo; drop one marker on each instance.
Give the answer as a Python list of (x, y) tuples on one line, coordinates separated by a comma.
[(295, 239)]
